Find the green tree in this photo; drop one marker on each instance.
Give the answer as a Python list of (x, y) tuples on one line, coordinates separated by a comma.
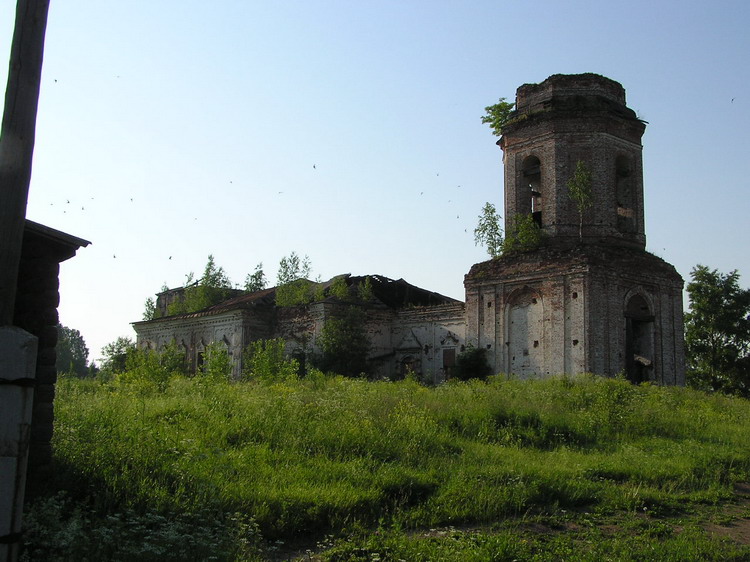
[(293, 287), (339, 288), (488, 232), (212, 288), (115, 355), (292, 268), (344, 343), (498, 115), (579, 190), (149, 312), (717, 332), (72, 353), (265, 360), (365, 292), (523, 235), (256, 281)]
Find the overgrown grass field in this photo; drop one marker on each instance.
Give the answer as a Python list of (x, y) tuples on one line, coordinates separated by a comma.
[(343, 469)]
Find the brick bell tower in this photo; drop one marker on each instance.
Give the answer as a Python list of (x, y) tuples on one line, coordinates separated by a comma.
[(589, 298)]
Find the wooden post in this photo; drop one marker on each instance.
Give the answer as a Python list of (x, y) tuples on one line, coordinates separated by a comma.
[(17, 142), (17, 348), (17, 377)]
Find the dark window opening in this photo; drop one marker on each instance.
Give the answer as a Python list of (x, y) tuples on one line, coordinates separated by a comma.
[(449, 361), (532, 179)]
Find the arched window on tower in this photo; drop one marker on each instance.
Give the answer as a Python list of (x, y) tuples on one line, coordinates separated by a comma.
[(624, 192), (532, 177)]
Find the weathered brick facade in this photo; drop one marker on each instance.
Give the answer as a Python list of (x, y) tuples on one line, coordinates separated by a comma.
[(590, 298), (408, 327)]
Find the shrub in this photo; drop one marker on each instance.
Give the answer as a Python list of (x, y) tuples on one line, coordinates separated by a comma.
[(264, 360), (150, 369), (217, 365), (472, 364)]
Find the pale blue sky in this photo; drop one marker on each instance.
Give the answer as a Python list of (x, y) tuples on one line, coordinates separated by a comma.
[(350, 132)]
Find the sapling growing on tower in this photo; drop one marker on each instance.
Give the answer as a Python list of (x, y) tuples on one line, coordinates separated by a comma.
[(579, 190), (488, 232)]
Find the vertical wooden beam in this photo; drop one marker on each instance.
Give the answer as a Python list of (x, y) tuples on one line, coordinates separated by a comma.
[(17, 365), (17, 142), (17, 348)]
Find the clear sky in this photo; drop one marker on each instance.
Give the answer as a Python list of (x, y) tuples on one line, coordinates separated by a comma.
[(350, 131)]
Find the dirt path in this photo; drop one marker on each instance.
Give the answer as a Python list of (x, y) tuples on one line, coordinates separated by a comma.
[(734, 519)]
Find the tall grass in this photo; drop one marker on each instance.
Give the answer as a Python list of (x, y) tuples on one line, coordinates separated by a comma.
[(315, 455)]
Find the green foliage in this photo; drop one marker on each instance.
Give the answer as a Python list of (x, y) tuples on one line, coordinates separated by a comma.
[(296, 293), (488, 232), (564, 468), (579, 190), (212, 288), (498, 115), (293, 287), (345, 344), (58, 528), (148, 370), (72, 353), (292, 267), (256, 281), (265, 360), (217, 364), (149, 312), (472, 364), (717, 332), (626, 538), (523, 235), (365, 291), (339, 288), (115, 355)]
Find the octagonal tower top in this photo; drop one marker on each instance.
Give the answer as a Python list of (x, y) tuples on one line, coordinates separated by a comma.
[(565, 120), (530, 97)]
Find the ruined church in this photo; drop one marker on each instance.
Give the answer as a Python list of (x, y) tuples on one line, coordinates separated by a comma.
[(588, 298)]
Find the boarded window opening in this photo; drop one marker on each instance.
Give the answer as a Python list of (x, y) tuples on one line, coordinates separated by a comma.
[(625, 195)]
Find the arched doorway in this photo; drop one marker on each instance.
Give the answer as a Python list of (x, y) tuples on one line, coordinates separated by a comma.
[(525, 334), (639, 340)]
